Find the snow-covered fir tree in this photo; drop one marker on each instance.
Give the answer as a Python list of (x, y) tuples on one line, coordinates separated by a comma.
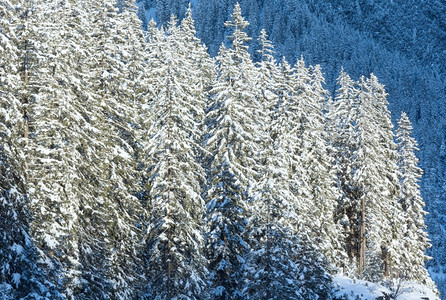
[(317, 162), (74, 171), (172, 122), (233, 141), (415, 240), (32, 46), (276, 264), (285, 133), (113, 47), (365, 155), (21, 274), (51, 151), (344, 139), (376, 176)]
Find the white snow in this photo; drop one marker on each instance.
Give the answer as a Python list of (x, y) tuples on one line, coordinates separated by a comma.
[(17, 249), (16, 278), (365, 290), (50, 241)]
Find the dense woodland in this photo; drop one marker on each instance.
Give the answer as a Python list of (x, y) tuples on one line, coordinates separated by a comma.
[(135, 166), (402, 42)]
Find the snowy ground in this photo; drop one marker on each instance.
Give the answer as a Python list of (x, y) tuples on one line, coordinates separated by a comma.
[(351, 289)]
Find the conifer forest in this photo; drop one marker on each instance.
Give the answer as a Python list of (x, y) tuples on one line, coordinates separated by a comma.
[(136, 163)]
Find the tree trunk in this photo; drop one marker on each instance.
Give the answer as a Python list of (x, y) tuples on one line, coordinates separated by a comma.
[(386, 260), (26, 82), (362, 239)]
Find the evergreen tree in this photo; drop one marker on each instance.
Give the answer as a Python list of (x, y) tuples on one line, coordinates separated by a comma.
[(172, 122), (365, 153), (299, 123), (376, 175), (87, 220), (276, 262), (233, 141), (269, 270), (33, 46), (233, 94), (415, 240), (26, 271), (51, 149), (317, 162), (285, 133), (288, 133), (344, 138), (111, 242)]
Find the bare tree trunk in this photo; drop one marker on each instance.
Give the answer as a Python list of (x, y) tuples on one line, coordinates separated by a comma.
[(26, 82), (386, 260), (352, 238), (352, 244), (362, 239)]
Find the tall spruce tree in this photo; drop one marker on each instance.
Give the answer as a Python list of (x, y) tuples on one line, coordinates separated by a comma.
[(269, 270), (318, 163), (415, 240), (365, 153), (78, 153), (33, 45), (21, 275), (376, 175), (114, 47), (344, 138), (280, 255), (171, 123), (233, 141), (285, 130)]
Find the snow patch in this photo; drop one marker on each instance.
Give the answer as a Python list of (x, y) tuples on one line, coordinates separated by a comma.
[(17, 249), (16, 278), (353, 289), (50, 241)]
